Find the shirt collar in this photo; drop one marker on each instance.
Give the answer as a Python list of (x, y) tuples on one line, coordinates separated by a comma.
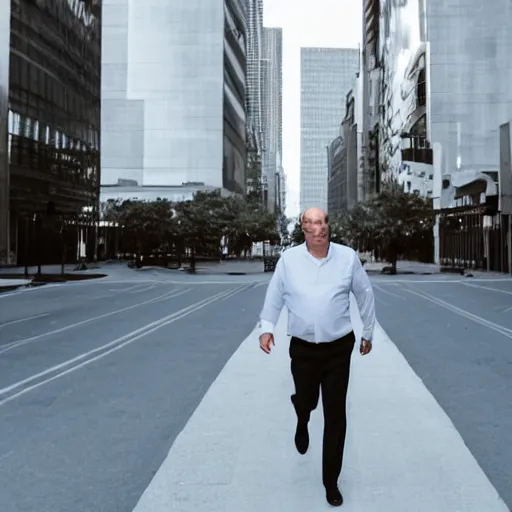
[(316, 260)]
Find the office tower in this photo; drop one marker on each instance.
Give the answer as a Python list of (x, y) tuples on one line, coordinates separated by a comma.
[(442, 76), (50, 65), (272, 98), (254, 76), (435, 89), (173, 98), (326, 76)]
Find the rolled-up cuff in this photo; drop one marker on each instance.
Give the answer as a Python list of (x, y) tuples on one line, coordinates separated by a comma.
[(368, 334), (266, 327)]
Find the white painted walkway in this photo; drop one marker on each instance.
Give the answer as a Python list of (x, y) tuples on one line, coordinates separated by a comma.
[(236, 454)]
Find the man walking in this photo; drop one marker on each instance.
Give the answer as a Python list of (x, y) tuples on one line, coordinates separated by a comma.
[(314, 281)]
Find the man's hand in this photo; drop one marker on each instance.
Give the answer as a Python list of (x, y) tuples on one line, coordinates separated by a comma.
[(266, 340), (365, 347)]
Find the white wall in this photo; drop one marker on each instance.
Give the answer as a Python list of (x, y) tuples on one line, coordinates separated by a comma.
[(162, 100)]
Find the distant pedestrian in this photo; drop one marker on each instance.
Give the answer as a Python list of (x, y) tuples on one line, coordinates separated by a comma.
[(314, 280)]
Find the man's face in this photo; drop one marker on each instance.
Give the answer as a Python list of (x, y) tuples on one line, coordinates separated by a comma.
[(316, 228)]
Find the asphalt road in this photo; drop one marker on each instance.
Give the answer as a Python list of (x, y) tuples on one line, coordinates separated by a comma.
[(85, 429), (457, 336), (98, 378)]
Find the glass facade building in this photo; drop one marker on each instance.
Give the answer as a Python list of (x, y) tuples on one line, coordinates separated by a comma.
[(445, 79), (327, 75), (173, 96), (442, 93), (49, 144), (272, 108)]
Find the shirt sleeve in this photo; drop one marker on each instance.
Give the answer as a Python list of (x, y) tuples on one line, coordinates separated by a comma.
[(274, 301), (363, 292)]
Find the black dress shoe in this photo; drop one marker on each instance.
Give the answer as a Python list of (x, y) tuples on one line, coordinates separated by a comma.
[(302, 438), (334, 496)]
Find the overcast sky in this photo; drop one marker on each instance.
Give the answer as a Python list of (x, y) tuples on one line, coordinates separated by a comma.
[(329, 23)]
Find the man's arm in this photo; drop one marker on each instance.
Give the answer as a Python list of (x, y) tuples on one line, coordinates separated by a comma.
[(274, 301), (363, 292)]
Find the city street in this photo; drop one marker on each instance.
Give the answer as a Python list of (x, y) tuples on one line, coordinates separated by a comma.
[(146, 391)]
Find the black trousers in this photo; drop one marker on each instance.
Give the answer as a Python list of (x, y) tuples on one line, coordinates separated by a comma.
[(324, 366)]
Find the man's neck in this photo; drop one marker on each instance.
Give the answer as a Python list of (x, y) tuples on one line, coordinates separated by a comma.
[(318, 252)]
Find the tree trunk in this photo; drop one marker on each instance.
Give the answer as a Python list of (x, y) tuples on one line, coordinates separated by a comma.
[(193, 259)]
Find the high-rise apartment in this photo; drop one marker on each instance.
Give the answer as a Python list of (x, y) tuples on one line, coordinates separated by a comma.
[(50, 61), (254, 76), (272, 100), (326, 76), (173, 97)]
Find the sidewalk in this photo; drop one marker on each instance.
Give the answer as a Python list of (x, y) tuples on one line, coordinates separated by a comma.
[(13, 283), (236, 454), (404, 266)]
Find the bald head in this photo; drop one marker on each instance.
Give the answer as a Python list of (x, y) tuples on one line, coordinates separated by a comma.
[(313, 215), (315, 226)]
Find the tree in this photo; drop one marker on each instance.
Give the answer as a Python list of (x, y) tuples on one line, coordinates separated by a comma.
[(145, 224), (200, 221), (389, 222), (298, 234)]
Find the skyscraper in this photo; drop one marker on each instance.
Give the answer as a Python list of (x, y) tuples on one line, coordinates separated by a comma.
[(254, 77), (327, 75), (272, 99), (173, 97), (50, 61)]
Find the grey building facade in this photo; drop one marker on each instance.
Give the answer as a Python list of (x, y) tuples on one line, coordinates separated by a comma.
[(272, 108), (342, 163), (327, 75), (438, 81), (50, 62), (445, 79), (173, 96), (255, 41)]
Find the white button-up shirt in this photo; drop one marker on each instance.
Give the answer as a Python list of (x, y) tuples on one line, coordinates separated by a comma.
[(316, 293)]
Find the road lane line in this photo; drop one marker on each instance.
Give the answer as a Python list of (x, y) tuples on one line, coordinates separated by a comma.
[(486, 288), (112, 346), (388, 292), (143, 289), (131, 288), (19, 343), (462, 312), (12, 322)]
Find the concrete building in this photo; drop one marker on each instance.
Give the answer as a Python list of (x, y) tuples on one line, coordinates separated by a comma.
[(173, 97), (255, 36), (444, 78), (437, 87), (342, 163), (50, 61), (272, 107), (327, 75)]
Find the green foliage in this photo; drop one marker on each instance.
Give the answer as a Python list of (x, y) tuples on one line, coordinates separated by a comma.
[(144, 224), (198, 224), (297, 234), (390, 222)]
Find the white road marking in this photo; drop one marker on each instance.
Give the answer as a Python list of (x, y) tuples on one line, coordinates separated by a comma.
[(383, 280), (143, 289), (19, 343), (236, 452), (23, 320), (462, 312), (486, 288), (110, 347), (388, 292)]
